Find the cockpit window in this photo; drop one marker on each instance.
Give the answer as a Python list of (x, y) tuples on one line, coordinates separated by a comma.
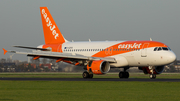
[(159, 49), (155, 49), (164, 48), (169, 48)]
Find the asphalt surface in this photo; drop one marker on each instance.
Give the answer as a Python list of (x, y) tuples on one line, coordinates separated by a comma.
[(93, 79)]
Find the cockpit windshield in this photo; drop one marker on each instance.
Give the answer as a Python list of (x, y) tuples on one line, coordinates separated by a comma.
[(159, 49), (162, 49)]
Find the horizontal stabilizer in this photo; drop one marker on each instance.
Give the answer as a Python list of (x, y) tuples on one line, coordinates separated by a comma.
[(43, 49)]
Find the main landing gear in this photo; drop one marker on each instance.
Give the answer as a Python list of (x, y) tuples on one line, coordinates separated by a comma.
[(87, 75), (124, 74)]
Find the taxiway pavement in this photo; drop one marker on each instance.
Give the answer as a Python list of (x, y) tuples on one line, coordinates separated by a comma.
[(93, 79)]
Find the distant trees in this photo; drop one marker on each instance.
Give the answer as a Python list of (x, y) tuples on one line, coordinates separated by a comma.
[(3, 60), (47, 65), (172, 68)]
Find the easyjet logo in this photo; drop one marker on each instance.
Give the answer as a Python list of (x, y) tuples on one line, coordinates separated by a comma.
[(135, 45), (49, 24)]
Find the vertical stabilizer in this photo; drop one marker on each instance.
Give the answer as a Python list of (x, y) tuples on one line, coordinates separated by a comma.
[(52, 34)]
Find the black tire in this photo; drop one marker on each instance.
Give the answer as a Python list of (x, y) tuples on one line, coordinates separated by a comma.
[(85, 74), (121, 74), (152, 76), (126, 74), (90, 75)]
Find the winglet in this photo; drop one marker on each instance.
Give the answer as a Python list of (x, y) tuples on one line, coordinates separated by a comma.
[(5, 51)]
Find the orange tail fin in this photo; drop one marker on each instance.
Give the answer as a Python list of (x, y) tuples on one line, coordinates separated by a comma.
[(52, 34)]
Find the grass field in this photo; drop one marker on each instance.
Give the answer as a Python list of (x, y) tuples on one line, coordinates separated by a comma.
[(87, 90)]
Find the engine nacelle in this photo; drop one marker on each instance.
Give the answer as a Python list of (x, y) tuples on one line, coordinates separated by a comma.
[(156, 70), (98, 67)]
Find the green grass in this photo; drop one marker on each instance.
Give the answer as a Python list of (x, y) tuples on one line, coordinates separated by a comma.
[(88, 91)]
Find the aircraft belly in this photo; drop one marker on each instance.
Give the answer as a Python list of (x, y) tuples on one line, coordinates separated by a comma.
[(131, 60)]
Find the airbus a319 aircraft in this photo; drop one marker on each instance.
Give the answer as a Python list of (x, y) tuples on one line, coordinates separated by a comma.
[(97, 57)]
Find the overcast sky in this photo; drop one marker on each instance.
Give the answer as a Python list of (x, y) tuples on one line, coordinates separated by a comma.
[(98, 20)]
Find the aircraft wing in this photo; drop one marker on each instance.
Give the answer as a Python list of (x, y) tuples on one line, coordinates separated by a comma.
[(57, 55)]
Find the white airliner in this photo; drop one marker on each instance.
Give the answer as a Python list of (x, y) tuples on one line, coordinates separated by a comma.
[(97, 57)]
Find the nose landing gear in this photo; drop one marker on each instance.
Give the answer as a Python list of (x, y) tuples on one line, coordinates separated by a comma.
[(152, 76)]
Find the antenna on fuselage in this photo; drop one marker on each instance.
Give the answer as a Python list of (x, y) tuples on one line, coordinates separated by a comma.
[(150, 39)]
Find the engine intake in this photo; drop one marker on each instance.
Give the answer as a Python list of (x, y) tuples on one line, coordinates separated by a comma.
[(98, 67)]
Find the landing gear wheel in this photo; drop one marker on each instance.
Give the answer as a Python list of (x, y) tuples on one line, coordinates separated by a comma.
[(90, 75), (123, 75), (85, 74), (126, 75), (152, 76)]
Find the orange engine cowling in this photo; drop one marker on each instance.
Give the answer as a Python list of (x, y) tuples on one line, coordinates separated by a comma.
[(157, 70), (98, 66)]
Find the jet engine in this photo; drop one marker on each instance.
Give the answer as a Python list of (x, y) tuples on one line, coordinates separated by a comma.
[(156, 70), (98, 67)]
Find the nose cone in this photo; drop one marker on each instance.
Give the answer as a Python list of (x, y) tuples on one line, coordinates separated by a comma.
[(171, 57)]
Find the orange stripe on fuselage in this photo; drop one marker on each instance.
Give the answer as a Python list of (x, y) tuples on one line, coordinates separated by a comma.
[(130, 45)]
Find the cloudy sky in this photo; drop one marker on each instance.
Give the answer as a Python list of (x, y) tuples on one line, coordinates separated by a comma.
[(98, 20)]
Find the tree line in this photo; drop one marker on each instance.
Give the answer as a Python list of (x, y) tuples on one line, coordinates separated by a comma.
[(50, 65)]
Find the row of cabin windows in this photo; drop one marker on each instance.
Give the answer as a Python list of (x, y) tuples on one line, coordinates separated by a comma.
[(76, 50)]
